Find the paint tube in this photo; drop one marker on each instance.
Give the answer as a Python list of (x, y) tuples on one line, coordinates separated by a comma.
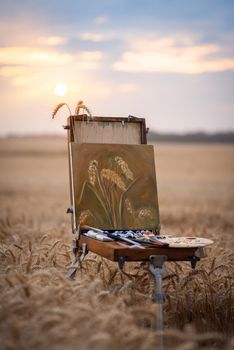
[(103, 238), (98, 236)]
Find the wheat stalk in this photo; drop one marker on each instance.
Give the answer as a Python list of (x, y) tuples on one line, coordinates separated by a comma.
[(80, 105), (58, 107)]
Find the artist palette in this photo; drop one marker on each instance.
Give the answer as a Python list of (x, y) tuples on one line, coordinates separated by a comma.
[(185, 242)]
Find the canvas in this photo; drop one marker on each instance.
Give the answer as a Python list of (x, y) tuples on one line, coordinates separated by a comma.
[(115, 186)]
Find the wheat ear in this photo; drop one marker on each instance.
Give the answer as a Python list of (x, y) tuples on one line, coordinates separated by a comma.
[(58, 107), (78, 106), (81, 105)]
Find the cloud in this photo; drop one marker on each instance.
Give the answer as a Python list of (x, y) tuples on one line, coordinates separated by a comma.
[(32, 56), (89, 59), (170, 55), (29, 56), (25, 66), (12, 71), (96, 37), (101, 20), (52, 40), (18, 75)]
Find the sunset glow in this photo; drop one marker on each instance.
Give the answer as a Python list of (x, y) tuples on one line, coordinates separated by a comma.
[(170, 62)]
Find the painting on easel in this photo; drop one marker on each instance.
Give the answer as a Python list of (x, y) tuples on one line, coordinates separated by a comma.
[(115, 186)]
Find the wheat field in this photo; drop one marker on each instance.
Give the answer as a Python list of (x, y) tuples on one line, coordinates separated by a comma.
[(104, 308)]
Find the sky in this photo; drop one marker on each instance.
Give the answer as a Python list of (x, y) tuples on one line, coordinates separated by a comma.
[(169, 61)]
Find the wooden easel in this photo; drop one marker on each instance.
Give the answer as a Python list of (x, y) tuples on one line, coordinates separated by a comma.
[(118, 131)]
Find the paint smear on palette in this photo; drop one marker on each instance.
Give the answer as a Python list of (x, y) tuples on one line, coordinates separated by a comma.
[(115, 186)]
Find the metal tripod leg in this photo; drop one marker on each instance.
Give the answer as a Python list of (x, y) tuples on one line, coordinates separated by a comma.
[(156, 268), (78, 256)]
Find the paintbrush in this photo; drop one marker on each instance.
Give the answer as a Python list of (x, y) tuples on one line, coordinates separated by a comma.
[(121, 238), (86, 227)]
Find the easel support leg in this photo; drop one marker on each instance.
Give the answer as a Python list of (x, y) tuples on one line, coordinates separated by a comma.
[(156, 267), (79, 254)]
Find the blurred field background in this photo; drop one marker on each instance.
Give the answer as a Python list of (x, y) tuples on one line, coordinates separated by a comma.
[(104, 308)]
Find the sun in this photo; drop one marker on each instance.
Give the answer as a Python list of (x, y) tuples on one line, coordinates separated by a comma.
[(60, 89)]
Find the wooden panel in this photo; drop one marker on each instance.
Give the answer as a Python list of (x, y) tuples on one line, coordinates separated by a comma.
[(113, 251), (115, 186), (108, 130), (104, 132)]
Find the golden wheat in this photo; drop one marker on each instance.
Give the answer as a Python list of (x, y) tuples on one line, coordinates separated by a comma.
[(81, 105), (58, 107), (104, 308)]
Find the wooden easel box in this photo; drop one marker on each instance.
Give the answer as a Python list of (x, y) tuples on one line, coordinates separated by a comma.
[(122, 131)]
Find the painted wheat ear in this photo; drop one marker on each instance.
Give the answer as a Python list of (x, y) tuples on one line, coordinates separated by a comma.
[(92, 171), (113, 177), (129, 206), (84, 215), (81, 105), (124, 168), (58, 107), (144, 213)]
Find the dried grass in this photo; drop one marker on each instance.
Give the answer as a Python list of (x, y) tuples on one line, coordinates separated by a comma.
[(104, 308)]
